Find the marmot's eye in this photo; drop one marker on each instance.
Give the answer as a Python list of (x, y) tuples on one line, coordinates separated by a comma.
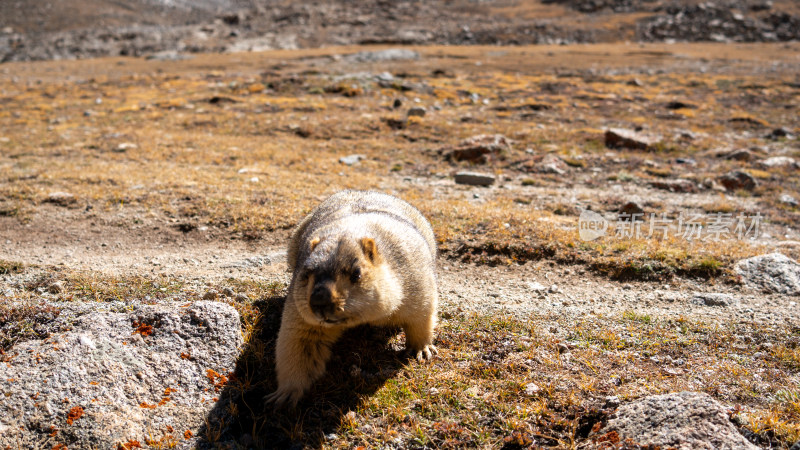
[(355, 275)]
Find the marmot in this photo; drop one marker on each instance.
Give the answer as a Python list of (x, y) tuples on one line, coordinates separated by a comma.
[(360, 257)]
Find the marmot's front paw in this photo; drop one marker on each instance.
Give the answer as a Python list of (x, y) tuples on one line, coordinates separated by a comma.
[(284, 397), (426, 354)]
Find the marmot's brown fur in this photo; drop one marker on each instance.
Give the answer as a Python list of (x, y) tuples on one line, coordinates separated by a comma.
[(359, 257)]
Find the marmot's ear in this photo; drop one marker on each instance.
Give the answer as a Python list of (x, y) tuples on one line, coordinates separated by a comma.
[(313, 244), (369, 248)]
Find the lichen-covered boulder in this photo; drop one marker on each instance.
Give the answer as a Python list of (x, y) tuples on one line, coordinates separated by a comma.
[(111, 374)]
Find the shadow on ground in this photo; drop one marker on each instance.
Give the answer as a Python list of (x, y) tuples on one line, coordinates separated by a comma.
[(363, 360)]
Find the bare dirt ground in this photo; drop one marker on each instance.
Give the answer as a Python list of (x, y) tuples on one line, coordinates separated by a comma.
[(159, 181), (203, 259)]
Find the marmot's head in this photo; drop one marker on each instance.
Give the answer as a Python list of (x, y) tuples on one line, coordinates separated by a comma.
[(341, 281)]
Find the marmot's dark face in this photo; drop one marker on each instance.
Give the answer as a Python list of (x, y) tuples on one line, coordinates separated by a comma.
[(339, 279)]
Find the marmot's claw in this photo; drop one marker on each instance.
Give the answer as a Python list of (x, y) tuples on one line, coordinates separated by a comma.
[(427, 353)]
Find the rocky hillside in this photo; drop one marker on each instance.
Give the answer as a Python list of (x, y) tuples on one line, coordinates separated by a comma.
[(39, 30)]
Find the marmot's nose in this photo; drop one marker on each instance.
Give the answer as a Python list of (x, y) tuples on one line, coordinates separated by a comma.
[(320, 297)]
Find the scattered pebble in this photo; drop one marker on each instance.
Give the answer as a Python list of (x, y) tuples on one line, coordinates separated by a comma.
[(531, 389), (125, 146), (779, 161), (621, 138), (56, 288), (62, 198), (787, 199), (631, 210), (737, 179), (712, 299), (536, 286), (474, 178), (350, 160), (416, 112)]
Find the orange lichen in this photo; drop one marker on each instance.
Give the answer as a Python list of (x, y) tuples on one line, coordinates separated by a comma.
[(129, 445), (219, 381), (74, 414), (142, 328), (188, 434)]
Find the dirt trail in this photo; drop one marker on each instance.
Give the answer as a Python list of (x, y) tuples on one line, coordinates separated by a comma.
[(542, 288)]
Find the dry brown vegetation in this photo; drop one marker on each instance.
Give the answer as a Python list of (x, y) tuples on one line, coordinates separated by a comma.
[(239, 147)]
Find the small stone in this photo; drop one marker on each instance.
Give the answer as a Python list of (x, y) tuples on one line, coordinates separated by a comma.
[(677, 185), (474, 179), (779, 161), (630, 211), (562, 347), (552, 164), (621, 138), (712, 299), (479, 149), (416, 112), (227, 292), (55, 288), (210, 295), (779, 133), (433, 391), (62, 198), (687, 161), (553, 289), (737, 179), (787, 199), (125, 146), (241, 298), (739, 155), (351, 159), (531, 389), (384, 76), (397, 103), (535, 286)]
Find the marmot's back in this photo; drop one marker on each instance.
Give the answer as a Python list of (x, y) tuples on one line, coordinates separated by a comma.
[(350, 202)]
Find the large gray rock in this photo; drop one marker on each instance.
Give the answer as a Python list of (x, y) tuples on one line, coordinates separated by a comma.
[(108, 377), (773, 272), (683, 420)]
